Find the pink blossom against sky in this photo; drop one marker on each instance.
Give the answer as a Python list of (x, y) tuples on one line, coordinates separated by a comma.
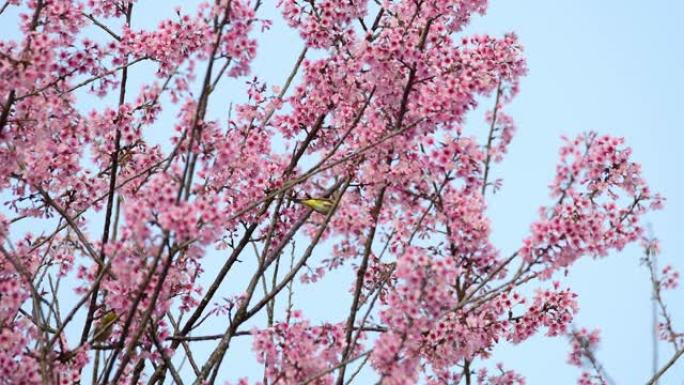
[(611, 66)]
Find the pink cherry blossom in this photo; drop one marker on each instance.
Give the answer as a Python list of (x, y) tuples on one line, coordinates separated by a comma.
[(177, 218)]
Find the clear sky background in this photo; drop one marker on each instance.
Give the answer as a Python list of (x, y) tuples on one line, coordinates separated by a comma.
[(614, 66)]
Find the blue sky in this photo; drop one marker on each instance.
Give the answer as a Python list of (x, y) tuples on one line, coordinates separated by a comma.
[(615, 67), (611, 66)]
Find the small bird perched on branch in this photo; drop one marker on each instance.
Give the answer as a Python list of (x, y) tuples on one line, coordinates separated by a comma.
[(105, 326), (319, 205)]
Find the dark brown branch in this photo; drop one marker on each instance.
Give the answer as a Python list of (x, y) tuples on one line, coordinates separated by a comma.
[(490, 139), (243, 314), (102, 26), (360, 277), (665, 367), (110, 194)]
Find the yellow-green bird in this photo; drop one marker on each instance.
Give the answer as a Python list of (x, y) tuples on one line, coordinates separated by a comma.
[(319, 205), (105, 326)]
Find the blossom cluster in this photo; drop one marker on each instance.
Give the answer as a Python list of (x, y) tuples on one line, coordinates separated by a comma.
[(601, 198), (297, 352), (140, 214)]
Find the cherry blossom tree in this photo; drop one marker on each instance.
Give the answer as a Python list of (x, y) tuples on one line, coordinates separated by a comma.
[(119, 253)]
